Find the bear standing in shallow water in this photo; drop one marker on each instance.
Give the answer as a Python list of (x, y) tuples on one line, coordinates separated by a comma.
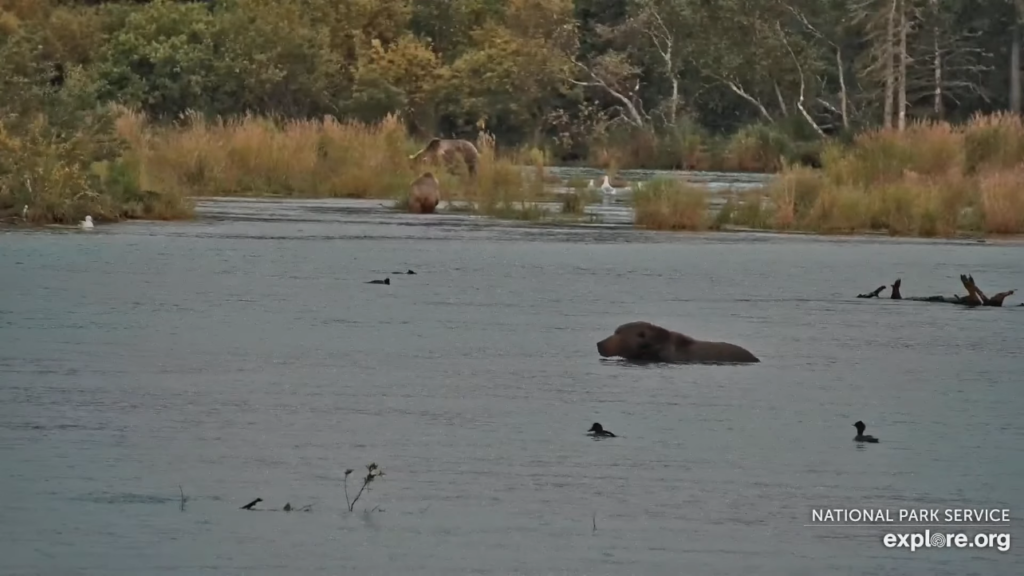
[(425, 194)]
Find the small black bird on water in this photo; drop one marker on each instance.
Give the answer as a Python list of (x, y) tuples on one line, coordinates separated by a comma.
[(597, 430), (384, 281), (861, 437), (251, 504)]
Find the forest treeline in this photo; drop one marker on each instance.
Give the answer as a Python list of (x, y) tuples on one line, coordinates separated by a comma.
[(566, 74), (704, 84)]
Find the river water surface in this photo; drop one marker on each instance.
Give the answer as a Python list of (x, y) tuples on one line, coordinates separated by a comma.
[(242, 355)]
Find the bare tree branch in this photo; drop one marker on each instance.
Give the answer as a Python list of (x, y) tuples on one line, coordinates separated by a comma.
[(800, 72), (632, 114), (735, 87), (839, 60)]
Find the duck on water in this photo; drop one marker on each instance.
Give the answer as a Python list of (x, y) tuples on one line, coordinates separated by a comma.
[(598, 431), (861, 437)]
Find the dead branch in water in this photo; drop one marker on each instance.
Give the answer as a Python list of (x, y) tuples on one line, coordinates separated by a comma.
[(872, 294), (372, 472), (975, 297)]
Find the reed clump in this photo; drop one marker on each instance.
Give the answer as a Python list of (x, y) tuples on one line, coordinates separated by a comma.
[(756, 148), (669, 204), (263, 156), (54, 175), (932, 179), (507, 187)]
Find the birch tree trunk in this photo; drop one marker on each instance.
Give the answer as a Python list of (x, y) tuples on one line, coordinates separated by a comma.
[(890, 39), (901, 122), (842, 88), (1015, 87), (937, 63)]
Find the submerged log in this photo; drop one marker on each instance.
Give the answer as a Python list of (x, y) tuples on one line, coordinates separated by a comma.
[(974, 297), (978, 296), (873, 294)]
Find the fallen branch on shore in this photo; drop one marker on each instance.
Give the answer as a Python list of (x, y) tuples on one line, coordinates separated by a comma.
[(974, 297)]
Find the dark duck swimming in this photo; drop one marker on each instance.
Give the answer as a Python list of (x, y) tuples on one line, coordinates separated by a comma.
[(861, 437), (598, 431)]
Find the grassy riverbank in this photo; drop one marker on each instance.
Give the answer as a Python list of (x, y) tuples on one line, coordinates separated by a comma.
[(932, 179), (53, 173), (253, 156)]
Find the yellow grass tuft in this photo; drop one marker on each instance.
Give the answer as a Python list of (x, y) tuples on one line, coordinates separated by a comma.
[(1002, 201), (669, 204)]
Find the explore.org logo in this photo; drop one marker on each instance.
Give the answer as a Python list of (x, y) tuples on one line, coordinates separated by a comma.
[(928, 527), (929, 539)]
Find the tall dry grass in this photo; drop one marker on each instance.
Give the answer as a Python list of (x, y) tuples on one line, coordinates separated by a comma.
[(262, 156), (669, 204), (933, 179), (326, 158)]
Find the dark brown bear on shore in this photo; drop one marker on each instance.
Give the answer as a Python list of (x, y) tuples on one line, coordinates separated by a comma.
[(450, 151), (646, 342), (425, 194)]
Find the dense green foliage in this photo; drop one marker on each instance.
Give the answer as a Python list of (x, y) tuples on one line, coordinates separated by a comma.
[(658, 77)]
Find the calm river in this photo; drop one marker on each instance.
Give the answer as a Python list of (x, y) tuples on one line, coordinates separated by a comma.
[(243, 355)]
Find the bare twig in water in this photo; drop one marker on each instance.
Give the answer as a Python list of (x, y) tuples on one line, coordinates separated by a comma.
[(251, 504), (347, 472), (183, 498), (372, 471), (595, 522)]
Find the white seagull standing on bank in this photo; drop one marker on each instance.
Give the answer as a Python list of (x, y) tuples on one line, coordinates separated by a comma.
[(87, 223), (607, 189), (24, 212)]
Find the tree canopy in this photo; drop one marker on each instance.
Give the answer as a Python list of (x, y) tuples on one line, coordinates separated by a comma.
[(564, 72)]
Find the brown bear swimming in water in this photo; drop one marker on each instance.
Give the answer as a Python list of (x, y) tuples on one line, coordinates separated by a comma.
[(449, 151), (425, 194), (645, 341)]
